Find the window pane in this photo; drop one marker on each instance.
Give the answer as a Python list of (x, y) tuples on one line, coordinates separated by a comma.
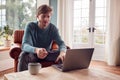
[(85, 12), (84, 39), (16, 13), (3, 18), (20, 13), (77, 13), (100, 12), (3, 12), (84, 4), (2, 2), (99, 39), (100, 21), (3, 23), (77, 4), (84, 22), (77, 22), (80, 21), (100, 3)]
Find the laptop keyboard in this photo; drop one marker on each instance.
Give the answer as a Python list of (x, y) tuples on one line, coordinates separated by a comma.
[(59, 65)]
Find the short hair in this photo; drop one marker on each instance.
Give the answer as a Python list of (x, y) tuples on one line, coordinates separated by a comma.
[(43, 9)]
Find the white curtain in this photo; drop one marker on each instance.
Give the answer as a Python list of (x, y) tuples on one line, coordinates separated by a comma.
[(113, 33), (64, 20)]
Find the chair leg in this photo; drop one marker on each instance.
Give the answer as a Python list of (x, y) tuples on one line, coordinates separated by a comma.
[(15, 65)]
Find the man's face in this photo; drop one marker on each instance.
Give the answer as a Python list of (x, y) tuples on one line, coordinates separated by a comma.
[(44, 19)]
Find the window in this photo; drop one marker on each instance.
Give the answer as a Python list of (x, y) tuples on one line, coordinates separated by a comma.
[(2, 13), (16, 13), (100, 21), (89, 15), (2, 17), (81, 21)]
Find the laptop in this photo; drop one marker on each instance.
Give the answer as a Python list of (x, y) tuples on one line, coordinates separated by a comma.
[(76, 59)]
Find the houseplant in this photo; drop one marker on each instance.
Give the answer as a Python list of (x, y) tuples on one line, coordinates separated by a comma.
[(6, 34)]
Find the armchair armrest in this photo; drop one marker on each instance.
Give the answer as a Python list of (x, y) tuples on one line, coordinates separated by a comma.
[(55, 46), (15, 50)]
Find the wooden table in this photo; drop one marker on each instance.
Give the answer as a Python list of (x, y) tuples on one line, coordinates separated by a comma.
[(51, 73)]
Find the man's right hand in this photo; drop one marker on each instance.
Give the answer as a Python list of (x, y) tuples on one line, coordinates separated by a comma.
[(41, 53)]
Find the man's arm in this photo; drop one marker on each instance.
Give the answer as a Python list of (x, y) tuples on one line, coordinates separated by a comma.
[(27, 43), (59, 41), (62, 46)]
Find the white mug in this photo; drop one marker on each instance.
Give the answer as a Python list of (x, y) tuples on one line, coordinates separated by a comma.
[(33, 68)]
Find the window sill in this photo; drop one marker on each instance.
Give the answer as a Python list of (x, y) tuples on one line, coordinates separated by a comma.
[(4, 48)]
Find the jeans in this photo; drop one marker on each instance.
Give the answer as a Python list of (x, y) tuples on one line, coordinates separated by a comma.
[(26, 58)]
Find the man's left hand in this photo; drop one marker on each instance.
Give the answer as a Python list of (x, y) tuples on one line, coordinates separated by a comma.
[(61, 57)]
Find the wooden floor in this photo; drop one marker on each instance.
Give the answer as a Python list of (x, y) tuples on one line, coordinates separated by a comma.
[(103, 66), (97, 64)]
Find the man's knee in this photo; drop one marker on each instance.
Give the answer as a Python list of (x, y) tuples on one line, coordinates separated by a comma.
[(23, 56), (24, 59), (29, 57)]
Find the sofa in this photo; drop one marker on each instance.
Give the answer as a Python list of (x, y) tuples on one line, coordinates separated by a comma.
[(15, 49)]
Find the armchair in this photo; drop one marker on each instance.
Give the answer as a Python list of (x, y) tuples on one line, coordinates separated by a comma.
[(15, 49)]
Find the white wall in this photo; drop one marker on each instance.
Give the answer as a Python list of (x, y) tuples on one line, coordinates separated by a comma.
[(6, 62), (40, 2)]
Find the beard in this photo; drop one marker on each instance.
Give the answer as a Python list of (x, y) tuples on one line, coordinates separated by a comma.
[(43, 25)]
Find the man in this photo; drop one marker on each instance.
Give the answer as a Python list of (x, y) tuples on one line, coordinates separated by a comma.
[(37, 40)]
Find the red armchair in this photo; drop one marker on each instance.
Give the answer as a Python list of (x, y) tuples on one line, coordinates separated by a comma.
[(15, 49)]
